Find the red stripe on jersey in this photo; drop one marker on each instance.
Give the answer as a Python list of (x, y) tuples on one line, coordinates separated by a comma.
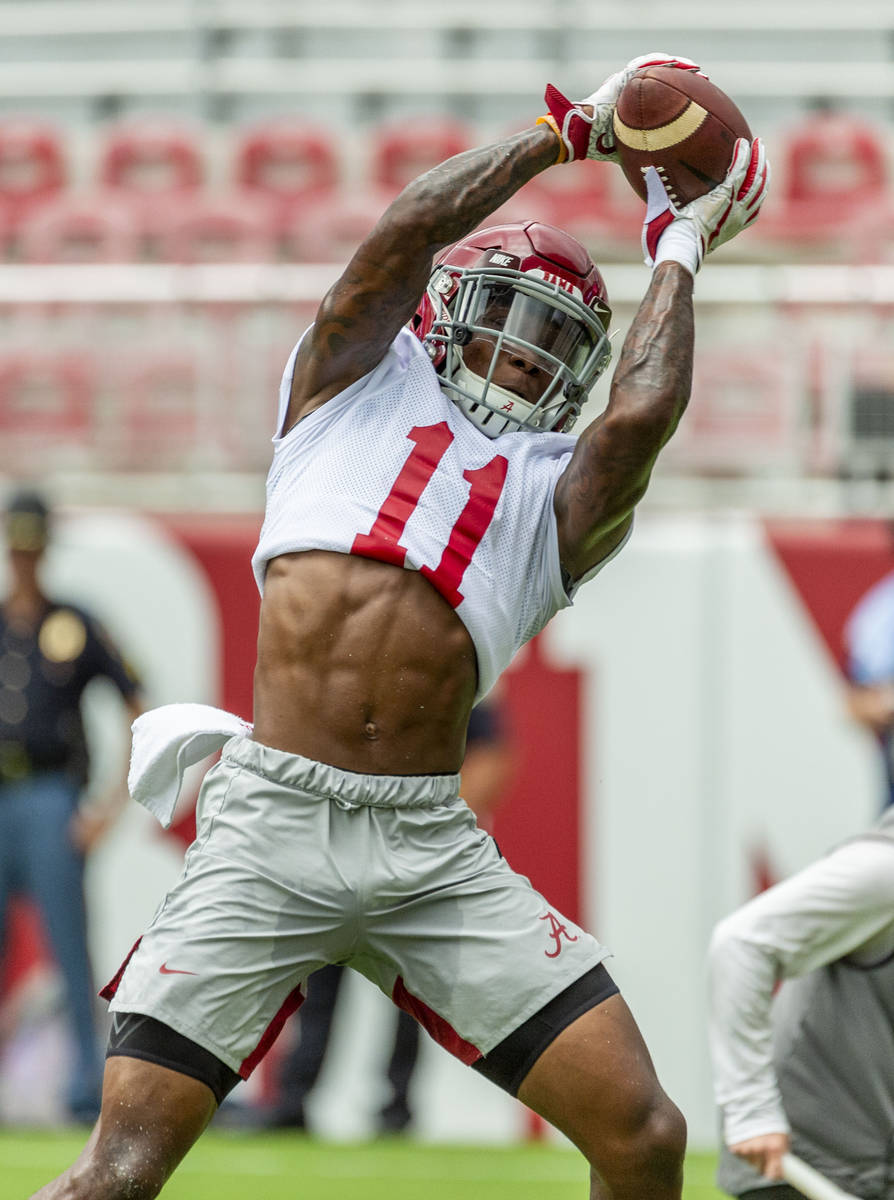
[(108, 992), (442, 1031), (291, 1004)]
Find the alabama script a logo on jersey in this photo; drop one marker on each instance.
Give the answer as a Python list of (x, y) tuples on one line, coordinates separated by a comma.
[(557, 930)]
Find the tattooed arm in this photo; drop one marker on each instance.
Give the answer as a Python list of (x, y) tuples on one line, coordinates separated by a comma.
[(382, 284), (612, 462)]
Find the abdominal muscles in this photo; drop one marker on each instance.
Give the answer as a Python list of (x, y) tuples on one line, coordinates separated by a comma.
[(363, 665)]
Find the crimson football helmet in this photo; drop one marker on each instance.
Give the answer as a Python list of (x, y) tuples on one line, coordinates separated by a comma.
[(525, 292)]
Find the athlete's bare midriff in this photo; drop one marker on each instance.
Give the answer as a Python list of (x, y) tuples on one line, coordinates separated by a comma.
[(362, 665)]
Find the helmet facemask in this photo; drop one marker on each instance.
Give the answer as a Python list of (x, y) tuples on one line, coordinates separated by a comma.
[(488, 316)]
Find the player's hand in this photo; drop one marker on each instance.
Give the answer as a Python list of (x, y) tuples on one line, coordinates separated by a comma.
[(764, 1153), (710, 220), (584, 127)]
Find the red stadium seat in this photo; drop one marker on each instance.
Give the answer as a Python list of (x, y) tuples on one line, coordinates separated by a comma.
[(293, 166), (46, 400), (744, 412), (832, 175), (156, 422), (80, 227), (872, 242), (333, 229), (33, 167), (571, 193), (149, 163), (590, 202), (401, 152), (517, 208), (7, 234), (834, 158), (217, 228)]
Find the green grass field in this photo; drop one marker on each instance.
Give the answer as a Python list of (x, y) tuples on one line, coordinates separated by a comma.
[(288, 1167)]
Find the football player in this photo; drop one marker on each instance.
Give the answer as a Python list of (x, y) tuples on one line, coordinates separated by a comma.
[(427, 513)]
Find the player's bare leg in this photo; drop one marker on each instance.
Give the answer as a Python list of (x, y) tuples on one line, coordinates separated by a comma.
[(596, 1083), (150, 1118)]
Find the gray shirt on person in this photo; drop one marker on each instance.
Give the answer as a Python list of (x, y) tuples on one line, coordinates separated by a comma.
[(815, 1060)]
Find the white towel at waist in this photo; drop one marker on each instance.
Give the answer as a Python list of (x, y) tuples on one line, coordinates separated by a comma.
[(169, 739)]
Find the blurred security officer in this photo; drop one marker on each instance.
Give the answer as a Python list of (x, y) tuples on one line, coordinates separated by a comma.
[(50, 651)]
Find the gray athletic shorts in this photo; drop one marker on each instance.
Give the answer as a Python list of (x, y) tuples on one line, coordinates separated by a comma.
[(297, 864)]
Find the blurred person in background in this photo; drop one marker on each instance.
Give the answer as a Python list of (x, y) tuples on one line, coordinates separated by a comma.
[(486, 769), (50, 650), (427, 515), (869, 645), (811, 1068)]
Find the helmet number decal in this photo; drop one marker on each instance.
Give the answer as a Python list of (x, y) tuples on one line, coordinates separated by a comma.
[(430, 443)]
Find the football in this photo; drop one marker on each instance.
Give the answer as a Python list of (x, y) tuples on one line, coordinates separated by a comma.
[(680, 123)]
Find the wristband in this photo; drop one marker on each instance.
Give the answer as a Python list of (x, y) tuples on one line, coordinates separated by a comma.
[(680, 243), (550, 120)]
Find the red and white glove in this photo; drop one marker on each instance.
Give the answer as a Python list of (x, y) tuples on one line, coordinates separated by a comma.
[(687, 234), (584, 136)]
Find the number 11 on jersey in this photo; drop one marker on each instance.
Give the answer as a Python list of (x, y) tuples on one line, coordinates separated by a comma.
[(430, 443)]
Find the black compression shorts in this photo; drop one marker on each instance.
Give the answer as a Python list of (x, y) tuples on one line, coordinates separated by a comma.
[(137, 1036)]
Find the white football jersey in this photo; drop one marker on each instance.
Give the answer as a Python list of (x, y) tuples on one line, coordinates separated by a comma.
[(391, 469)]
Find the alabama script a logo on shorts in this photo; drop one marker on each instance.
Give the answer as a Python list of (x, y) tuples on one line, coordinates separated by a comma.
[(557, 931)]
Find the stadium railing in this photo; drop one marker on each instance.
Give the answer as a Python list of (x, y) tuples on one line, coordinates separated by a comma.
[(785, 384)]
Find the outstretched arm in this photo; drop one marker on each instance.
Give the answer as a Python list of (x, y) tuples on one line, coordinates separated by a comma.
[(613, 460), (381, 286)]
